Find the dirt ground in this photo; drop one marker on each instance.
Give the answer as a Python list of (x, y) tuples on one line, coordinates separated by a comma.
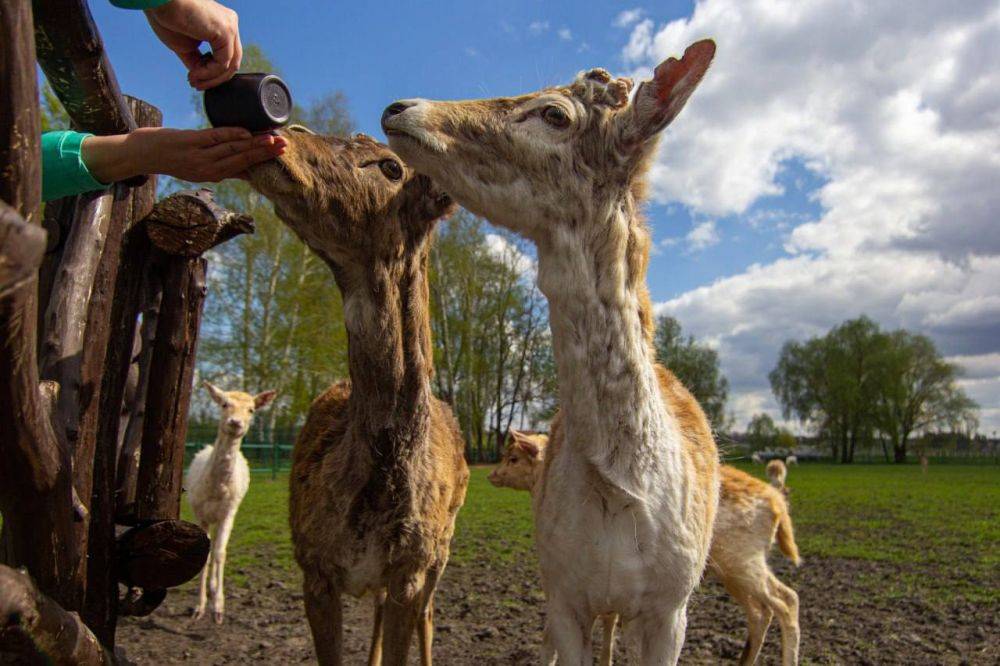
[(487, 615)]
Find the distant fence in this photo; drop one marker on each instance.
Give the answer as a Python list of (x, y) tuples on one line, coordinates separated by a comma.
[(267, 452), (271, 452)]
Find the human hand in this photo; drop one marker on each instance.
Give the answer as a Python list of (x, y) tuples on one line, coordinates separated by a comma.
[(182, 25), (199, 156)]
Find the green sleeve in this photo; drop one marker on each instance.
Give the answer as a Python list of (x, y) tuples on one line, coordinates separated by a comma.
[(63, 171), (138, 4)]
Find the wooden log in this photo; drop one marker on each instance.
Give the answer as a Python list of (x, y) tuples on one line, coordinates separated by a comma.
[(140, 603), (161, 554), (36, 494), (189, 223), (161, 460), (71, 53), (131, 441), (57, 220), (114, 322), (20, 168), (60, 635), (22, 246), (61, 353)]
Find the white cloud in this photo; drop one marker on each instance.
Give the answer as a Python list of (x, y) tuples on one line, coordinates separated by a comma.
[(703, 235), (538, 27), (897, 107), (505, 251), (565, 34), (628, 17)]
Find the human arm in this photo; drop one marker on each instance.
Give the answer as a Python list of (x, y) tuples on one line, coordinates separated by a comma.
[(73, 162)]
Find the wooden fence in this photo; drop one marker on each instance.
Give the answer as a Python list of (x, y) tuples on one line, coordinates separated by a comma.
[(98, 295)]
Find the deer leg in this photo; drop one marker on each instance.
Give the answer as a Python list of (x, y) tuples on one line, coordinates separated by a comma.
[(758, 620), (661, 635), (567, 634), (548, 646), (425, 628), (608, 646), (219, 545), (326, 621), (206, 571), (784, 602), (403, 609), (375, 653)]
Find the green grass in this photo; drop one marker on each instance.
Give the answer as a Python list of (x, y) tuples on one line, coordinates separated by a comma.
[(940, 533)]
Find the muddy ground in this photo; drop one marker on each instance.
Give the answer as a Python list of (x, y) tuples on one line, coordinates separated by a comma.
[(493, 615)]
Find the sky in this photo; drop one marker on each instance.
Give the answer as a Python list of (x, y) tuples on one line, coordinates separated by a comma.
[(840, 158)]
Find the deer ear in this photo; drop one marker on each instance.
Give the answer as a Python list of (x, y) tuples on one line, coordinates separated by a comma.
[(528, 446), (262, 400), (218, 395), (658, 101)]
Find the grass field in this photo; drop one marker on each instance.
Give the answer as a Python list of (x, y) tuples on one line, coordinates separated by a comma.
[(900, 567), (947, 521)]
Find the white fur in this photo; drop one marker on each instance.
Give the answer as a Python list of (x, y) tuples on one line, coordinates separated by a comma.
[(627, 535), (216, 483)]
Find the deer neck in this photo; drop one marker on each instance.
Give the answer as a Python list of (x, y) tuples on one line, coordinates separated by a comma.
[(388, 346), (609, 393), (224, 453)]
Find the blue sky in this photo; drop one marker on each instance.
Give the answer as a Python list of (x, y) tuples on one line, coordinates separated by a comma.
[(378, 52), (831, 164)]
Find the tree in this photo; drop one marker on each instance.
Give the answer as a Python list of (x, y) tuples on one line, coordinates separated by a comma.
[(493, 356), (761, 432), (53, 115), (858, 382), (785, 440), (696, 365), (919, 391), (273, 317)]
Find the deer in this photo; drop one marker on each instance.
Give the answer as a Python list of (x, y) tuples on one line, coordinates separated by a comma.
[(751, 516), (216, 483), (777, 472), (633, 491), (378, 469)]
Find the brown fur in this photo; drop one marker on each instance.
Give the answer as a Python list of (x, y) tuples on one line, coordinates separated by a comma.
[(378, 471)]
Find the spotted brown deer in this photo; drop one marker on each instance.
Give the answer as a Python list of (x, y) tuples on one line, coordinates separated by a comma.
[(378, 471), (633, 492)]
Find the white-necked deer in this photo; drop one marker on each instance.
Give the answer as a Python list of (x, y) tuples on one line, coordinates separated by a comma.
[(216, 483), (624, 511)]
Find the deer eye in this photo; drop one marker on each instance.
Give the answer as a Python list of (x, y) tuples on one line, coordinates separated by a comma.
[(555, 116), (391, 169), (251, 410)]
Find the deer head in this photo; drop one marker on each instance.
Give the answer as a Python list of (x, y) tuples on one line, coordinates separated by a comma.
[(350, 200), (521, 462), (238, 408), (560, 157)]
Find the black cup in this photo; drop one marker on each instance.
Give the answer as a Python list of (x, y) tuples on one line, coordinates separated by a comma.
[(258, 102)]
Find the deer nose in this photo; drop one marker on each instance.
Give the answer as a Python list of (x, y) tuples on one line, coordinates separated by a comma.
[(395, 109), (235, 422)]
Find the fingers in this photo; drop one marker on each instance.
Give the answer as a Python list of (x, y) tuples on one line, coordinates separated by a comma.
[(227, 54), (237, 164), (219, 135), (230, 148)]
